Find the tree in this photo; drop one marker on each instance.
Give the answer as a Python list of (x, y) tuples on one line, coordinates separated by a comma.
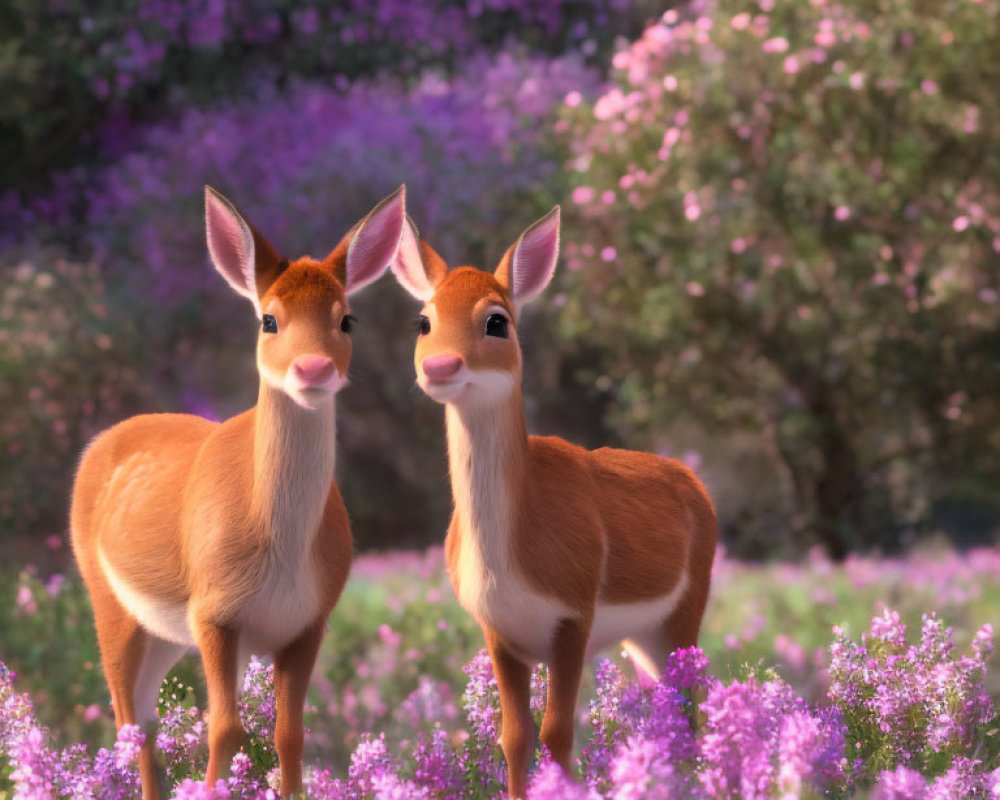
[(793, 217)]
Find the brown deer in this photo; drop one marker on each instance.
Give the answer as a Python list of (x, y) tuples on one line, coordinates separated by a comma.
[(232, 536), (556, 551)]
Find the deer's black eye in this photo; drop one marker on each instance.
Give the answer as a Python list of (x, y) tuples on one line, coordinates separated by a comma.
[(348, 323), (270, 324), (423, 325), (496, 325)]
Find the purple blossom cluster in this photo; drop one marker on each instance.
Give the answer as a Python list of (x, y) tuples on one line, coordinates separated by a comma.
[(42, 772), (342, 147), (337, 37), (906, 721), (911, 705)]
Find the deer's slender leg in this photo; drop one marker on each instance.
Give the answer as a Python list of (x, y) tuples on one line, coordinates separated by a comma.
[(292, 669), (517, 728)]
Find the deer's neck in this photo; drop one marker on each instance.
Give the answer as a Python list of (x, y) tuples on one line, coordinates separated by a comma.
[(488, 457), (293, 460)]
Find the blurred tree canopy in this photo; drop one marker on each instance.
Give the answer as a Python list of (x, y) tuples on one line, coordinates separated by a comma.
[(77, 75), (793, 217)]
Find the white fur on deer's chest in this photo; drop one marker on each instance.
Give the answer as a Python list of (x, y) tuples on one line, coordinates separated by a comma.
[(495, 593), (285, 603)]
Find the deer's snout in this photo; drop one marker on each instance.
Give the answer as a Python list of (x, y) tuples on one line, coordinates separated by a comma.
[(440, 368), (313, 370)]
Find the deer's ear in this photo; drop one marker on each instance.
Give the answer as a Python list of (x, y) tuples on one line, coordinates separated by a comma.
[(231, 245), (416, 266), (375, 242), (528, 266)]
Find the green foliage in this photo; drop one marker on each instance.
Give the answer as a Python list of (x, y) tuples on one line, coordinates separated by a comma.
[(786, 226)]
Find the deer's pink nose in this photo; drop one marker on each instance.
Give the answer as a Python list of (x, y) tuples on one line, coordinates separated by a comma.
[(439, 368), (313, 370)]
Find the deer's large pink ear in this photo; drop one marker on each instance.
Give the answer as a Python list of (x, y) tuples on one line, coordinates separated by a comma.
[(417, 275), (231, 245), (528, 266), (376, 241)]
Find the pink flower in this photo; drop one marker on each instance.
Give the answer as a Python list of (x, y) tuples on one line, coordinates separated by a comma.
[(26, 600), (695, 289), (582, 195), (670, 83), (825, 38), (609, 254), (842, 213), (740, 22), (573, 99), (778, 44), (791, 65), (857, 80), (960, 223), (928, 86)]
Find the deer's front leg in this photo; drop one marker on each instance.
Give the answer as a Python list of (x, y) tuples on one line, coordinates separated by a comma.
[(565, 668), (220, 659), (517, 728), (292, 668)]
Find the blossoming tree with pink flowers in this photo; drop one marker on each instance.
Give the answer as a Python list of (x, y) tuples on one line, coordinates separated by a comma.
[(789, 231)]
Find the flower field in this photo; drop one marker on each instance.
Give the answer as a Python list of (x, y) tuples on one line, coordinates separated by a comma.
[(815, 680)]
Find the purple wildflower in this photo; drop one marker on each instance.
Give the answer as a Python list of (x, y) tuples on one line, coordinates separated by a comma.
[(901, 783)]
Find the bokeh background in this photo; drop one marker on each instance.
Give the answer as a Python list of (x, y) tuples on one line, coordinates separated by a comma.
[(780, 263), (780, 249)]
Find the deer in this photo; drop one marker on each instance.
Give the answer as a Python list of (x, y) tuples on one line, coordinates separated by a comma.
[(232, 536), (555, 550)]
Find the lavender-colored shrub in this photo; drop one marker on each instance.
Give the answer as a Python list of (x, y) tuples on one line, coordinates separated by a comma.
[(86, 74)]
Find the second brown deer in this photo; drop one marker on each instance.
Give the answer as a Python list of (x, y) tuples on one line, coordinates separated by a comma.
[(232, 536), (556, 551)]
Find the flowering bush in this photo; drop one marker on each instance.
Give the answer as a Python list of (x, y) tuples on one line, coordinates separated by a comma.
[(68, 366), (792, 213), (688, 735), (85, 75), (911, 705)]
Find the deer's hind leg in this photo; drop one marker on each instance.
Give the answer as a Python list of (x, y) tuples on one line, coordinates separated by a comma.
[(649, 650), (135, 663)]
